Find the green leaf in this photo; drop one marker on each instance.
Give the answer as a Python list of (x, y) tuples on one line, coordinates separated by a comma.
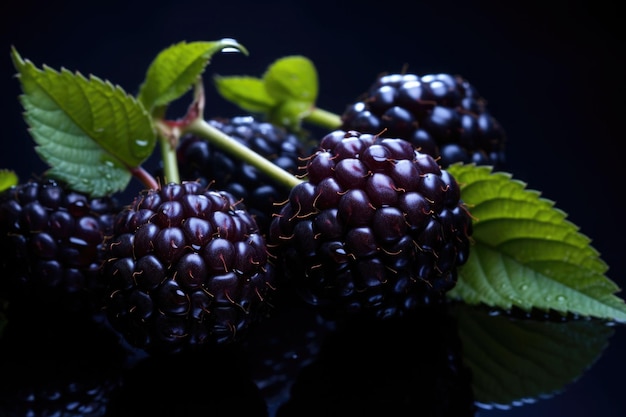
[(248, 93), (8, 179), (292, 78), (285, 95), (89, 131), (289, 114), (176, 69), (527, 254), (518, 361)]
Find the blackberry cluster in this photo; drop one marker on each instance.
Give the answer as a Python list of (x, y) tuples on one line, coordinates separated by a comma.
[(51, 244), (377, 227), (200, 160), (442, 114), (186, 268)]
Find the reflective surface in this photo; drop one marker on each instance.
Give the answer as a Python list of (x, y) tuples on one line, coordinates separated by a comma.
[(451, 360)]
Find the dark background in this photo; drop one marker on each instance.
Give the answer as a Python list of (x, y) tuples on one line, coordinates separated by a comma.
[(553, 75)]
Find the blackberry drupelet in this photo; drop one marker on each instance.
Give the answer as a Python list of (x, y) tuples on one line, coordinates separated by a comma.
[(51, 245), (378, 227), (186, 268), (199, 159), (442, 114)]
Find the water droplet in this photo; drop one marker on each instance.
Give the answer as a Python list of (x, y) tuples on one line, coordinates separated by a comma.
[(523, 287), (139, 147), (561, 298)]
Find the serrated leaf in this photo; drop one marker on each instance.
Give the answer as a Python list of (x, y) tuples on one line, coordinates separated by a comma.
[(176, 69), (248, 93), (292, 78), (8, 179), (518, 361), (527, 254), (89, 131)]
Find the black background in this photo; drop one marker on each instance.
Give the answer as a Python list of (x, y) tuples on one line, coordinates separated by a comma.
[(553, 75)]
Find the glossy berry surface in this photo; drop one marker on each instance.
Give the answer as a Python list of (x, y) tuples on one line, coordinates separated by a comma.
[(201, 160), (377, 227), (51, 244), (442, 114), (186, 268)]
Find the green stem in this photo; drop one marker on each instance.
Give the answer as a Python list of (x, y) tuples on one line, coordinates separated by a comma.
[(170, 163), (201, 128), (323, 118)]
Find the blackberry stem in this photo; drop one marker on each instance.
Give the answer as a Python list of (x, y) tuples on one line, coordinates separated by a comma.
[(202, 128), (323, 118)]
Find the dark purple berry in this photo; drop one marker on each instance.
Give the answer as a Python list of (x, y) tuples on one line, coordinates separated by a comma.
[(382, 230), (201, 160), (441, 114), (51, 244), (186, 268)]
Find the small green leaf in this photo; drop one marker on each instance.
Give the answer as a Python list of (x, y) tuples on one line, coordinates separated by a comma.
[(527, 254), (8, 179), (517, 361), (248, 93), (290, 114), (292, 78), (285, 95), (89, 131), (176, 69)]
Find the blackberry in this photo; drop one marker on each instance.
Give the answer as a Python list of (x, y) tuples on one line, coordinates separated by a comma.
[(186, 268), (51, 244), (377, 227), (442, 114), (200, 160)]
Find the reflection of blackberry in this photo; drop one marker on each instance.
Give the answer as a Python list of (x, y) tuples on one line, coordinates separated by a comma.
[(442, 114), (192, 384), (186, 268), (50, 243), (276, 356), (59, 365), (378, 226), (200, 160), (411, 365)]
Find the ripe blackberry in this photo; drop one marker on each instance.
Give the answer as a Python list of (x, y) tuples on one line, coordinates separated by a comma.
[(199, 159), (442, 114), (186, 268), (51, 244), (377, 227)]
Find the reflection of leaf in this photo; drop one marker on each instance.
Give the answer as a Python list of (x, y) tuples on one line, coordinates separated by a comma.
[(527, 254), (515, 361)]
